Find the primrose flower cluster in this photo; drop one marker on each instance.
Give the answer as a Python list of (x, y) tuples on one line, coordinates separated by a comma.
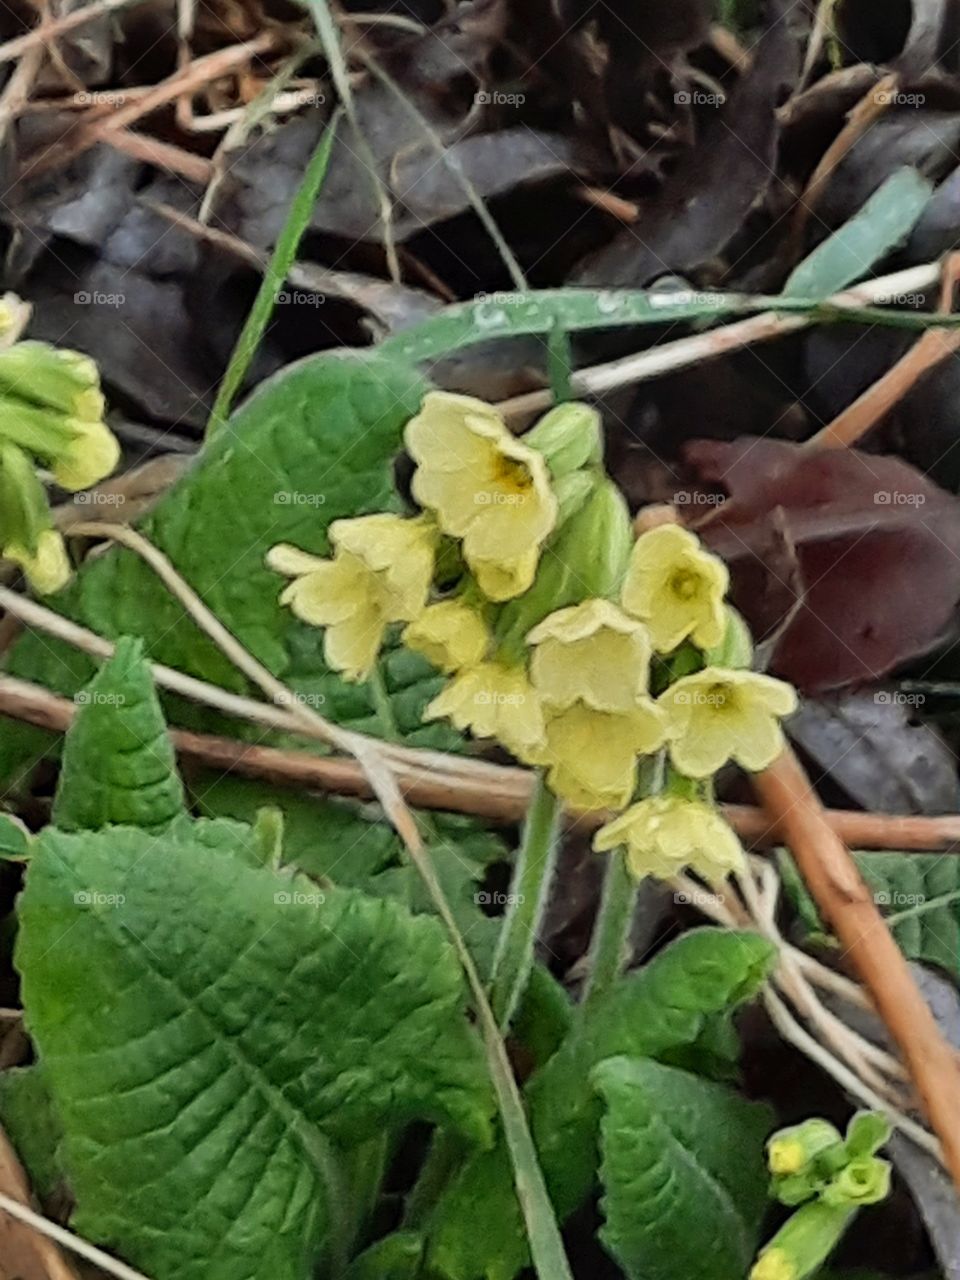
[(579, 648), (51, 413)]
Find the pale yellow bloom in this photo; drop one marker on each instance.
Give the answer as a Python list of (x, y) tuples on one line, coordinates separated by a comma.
[(493, 700), (775, 1264), (47, 568), (593, 653), (380, 573), (591, 756), (664, 834), (718, 715), (450, 634), (676, 588), (486, 487), (786, 1156), (92, 453), (505, 579)]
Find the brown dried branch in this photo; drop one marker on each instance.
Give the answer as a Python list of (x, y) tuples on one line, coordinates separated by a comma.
[(848, 906)]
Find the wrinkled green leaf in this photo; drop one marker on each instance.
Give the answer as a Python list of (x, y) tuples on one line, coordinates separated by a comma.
[(661, 1011), (683, 1172), (848, 255), (118, 766), (213, 1033)]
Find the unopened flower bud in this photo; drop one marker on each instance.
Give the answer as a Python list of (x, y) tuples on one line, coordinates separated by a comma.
[(803, 1243), (794, 1150), (24, 512), (51, 378), (863, 1181), (569, 437), (736, 648)]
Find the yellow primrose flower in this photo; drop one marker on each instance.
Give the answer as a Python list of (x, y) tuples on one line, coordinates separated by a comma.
[(664, 834), (91, 454), (493, 700), (591, 756), (717, 715), (504, 579), (591, 652), (380, 573), (450, 634), (47, 568), (485, 487), (676, 588)]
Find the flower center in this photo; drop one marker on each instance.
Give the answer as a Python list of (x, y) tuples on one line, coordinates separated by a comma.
[(512, 475), (685, 584)]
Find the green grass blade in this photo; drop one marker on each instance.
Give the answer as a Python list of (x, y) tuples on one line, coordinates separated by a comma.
[(284, 253)]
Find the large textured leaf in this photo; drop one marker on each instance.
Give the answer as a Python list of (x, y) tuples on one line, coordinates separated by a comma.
[(315, 443), (213, 1034), (31, 1123), (683, 1172), (662, 1012), (118, 762), (919, 893)]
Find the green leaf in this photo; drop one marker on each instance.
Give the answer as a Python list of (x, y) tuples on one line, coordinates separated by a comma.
[(919, 893), (214, 1033), (14, 839), (683, 1172), (30, 1120), (543, 311), (118, 767), (661, 1011), (395, 1257), (848, 255)]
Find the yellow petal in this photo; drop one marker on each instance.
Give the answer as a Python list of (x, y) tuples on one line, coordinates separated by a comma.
[(506, 579), (677, 588), (331, 592), (352, 646), (592, 653), (92, 454), (450, 634), (48, 567), (291, 561)]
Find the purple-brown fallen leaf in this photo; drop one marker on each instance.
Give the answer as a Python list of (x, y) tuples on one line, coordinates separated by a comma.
[(856, 558)]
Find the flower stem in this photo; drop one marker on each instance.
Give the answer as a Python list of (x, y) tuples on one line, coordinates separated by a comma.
[(529, 891), (611, 932)]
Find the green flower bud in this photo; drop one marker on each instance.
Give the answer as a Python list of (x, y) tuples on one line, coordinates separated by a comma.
[(572, 492), (793, 1150), (865, 1180), (736, 648), (569, 437), (803, 1243), (50, 378), (586, 557)]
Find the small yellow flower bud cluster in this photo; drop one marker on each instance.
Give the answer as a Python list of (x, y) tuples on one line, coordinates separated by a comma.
[(51, 412), (579, 649)]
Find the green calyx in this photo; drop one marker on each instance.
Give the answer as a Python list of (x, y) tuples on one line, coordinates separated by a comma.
[(803, 1243), (570, 437), (586, 558), (24, 513)]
